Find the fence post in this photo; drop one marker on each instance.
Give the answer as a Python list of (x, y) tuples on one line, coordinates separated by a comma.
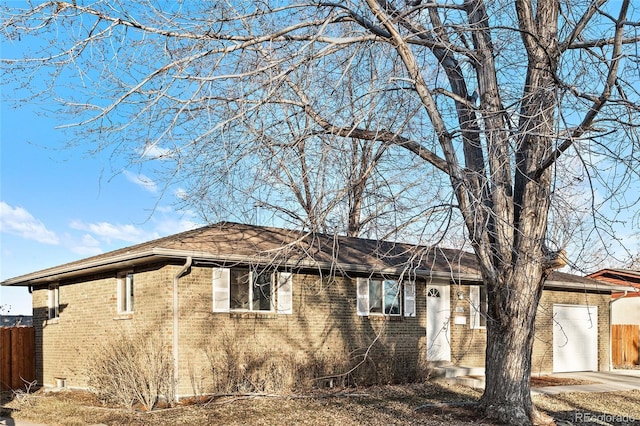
[(5, 359)]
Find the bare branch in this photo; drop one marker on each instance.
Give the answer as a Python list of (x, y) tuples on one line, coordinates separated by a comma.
[(599, 103)]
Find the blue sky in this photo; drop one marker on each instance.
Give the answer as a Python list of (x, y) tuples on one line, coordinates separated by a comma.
[(58, 205), (61, 204)]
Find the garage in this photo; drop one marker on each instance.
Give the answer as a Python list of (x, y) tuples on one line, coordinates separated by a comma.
[(575, 338)]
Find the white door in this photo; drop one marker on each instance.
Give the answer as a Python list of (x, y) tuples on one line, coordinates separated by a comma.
[(438, 317), (575, 338)]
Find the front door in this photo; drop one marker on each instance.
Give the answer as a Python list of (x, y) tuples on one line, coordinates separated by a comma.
[(438, 319)]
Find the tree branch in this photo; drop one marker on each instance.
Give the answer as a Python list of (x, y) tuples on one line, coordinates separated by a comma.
[(599, 103)]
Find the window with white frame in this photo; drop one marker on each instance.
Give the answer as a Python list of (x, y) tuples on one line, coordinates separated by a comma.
[(252, 289), (53, 301), (125, 292), (380, 296), (478, 310)]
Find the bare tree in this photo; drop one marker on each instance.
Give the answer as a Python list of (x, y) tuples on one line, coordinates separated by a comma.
[(310, 182), (500, 98), (312, 179)]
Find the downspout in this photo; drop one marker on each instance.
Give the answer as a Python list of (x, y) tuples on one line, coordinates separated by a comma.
[(180, 273), (611, 302)]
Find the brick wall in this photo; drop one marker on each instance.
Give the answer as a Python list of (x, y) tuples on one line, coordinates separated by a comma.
[(468, 345), (324, 337), (88, 318), (324, 334)]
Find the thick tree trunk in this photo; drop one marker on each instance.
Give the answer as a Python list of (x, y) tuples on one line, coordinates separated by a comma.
[(515, 275), (513, 294), (512, 309)]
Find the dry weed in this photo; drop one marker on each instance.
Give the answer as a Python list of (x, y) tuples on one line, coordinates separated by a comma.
[(133, 368)]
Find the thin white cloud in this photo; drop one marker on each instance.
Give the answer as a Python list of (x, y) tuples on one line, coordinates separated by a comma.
[(142, 181), (18, 221), (87, 246), (109, 232), (181, 194), (174, 226), (171, 222), (154, 152)]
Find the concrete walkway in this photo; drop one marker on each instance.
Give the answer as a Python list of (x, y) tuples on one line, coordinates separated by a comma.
[(604, 381), (8, 421)]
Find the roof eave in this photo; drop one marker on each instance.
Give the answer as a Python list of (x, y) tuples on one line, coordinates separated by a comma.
[(128, 260), (616, 274), (597, 287), (61, 272)]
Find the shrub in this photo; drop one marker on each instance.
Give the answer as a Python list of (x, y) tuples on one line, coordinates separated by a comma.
[(133, 368), (234, 368)]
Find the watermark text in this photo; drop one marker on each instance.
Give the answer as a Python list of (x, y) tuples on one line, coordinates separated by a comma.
[(602, 418)]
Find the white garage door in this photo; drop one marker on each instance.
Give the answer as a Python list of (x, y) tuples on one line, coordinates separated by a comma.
[(575, 338)]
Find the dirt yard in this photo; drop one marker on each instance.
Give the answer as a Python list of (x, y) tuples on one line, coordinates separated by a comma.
[(416, 404)]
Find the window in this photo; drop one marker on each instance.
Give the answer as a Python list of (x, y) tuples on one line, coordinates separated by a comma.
[(478, 310), (125, 292), (433, 292), (382, 297), (53, 301), (254, 290), (250, 290)]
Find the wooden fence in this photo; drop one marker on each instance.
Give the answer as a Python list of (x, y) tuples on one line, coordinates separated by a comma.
[(625, 339), (17, 357)]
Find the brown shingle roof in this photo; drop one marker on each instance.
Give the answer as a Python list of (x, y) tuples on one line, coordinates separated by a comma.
[(232, 242)]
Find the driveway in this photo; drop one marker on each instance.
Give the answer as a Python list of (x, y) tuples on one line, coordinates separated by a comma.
[(8, 421), (604, 381)]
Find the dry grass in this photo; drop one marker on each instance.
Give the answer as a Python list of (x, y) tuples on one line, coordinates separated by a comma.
[(541, 381), (383, 405), (602, 408), (380, 405)]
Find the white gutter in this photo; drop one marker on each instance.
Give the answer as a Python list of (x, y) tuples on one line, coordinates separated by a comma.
[(78, 268), (131, 259), (176, 279), (565, 285), (611, 302)]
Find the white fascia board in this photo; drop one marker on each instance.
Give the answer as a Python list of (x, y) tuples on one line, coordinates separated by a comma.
[(78, 268), (602, 288), (127, 260)]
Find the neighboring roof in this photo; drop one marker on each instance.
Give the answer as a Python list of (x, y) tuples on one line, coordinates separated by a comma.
[(628, 279), (16, 320), (227, 243)]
